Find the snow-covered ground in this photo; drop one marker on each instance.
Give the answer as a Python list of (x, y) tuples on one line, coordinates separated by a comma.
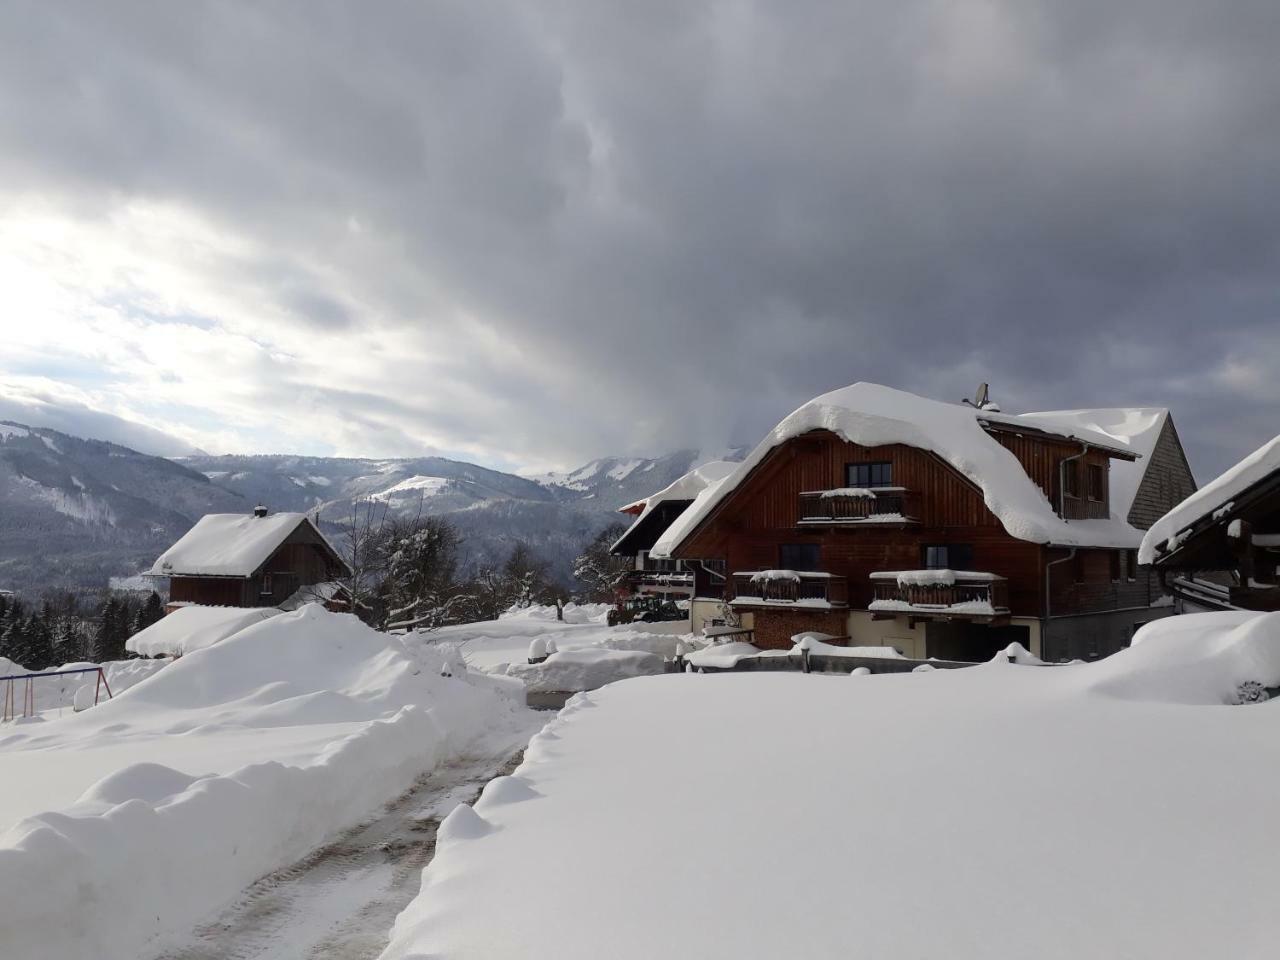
[(128, 822), (1116, 809)]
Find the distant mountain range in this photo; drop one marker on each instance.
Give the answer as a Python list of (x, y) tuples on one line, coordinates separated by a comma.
[(75, 513)]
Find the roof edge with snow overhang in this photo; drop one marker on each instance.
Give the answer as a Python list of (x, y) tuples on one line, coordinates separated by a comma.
[(1215, 499)]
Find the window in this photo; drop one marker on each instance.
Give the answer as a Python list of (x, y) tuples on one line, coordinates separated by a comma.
[(1132, 557), (869, 475), (266, 584), (1097, 482), (947, 556), (799, 556), (1071, 478), (1115, 565)]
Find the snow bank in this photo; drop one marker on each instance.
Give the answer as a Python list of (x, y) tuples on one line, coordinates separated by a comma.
[(339, 719), (573, 613), (874, 415), (193, 628), (1199, 658), (575, 670), (981, 814), (1259, 465)]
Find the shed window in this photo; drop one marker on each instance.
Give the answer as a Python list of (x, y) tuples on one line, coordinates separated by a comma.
[(1115, 564), (1097, 482), (266, 584), (799, 556), (1132, 557), (869, 474)]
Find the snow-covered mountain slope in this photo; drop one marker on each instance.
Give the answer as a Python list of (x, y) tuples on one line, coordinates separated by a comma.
[(74, 512), (612, 482)]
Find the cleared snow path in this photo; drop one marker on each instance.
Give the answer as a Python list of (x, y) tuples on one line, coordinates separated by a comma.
[(340, 902)]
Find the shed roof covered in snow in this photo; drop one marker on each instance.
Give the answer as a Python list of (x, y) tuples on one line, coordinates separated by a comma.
[(873, 415), (233, 544)]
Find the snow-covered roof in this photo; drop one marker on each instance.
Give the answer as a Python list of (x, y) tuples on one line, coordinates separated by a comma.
[(1211, 498), (873, 415), (229, 545), (686, 487), (1135, 429)]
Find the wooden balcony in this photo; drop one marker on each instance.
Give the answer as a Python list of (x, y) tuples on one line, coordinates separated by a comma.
[(870, 506), (658, 581), (940, 595), (790, 588)]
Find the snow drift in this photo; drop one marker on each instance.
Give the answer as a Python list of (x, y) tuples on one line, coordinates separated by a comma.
[(151, 847)]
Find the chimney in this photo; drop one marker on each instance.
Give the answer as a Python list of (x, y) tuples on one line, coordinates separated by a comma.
[(259, 511)]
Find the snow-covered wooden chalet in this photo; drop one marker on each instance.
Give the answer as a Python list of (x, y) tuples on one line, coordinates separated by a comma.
[(944, 530)]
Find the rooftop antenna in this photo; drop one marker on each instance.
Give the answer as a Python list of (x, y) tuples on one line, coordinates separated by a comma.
[(982, 400)]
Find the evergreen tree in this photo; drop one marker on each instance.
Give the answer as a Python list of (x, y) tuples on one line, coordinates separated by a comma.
[(38, 650), (151, 610), (13, 635), (109, 638)]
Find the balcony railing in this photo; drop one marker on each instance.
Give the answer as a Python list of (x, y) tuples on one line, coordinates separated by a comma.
[(940, 594), (801, 588), (858, 505)]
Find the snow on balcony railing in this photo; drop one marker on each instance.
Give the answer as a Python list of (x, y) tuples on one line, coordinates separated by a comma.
[(953, 593), (807, 588), (867, 505)]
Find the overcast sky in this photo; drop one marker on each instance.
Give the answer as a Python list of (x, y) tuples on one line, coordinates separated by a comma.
[(529, 234)]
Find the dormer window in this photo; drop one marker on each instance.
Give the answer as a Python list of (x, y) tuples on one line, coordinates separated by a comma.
[(878, 474), (1097, 482), (1071, 479)]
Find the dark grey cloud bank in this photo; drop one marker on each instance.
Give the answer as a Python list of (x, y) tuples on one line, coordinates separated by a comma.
[(670, 223)]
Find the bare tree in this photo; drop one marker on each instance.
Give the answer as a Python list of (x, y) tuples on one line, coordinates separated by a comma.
[(597, 569)]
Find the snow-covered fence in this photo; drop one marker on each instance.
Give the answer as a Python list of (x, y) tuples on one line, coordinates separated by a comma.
[(29, 688)]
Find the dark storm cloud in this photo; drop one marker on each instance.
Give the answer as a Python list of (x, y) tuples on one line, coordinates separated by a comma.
[(678, 220)]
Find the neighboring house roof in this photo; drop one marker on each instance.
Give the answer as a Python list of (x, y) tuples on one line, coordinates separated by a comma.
[(194, 628), (873, 415), (1135, 429), (1215, 500), (680, 491), (231, 545)]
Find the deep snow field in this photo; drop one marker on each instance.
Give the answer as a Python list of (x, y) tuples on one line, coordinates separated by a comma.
[(1116, 809), (585, 652), (126, 823)]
